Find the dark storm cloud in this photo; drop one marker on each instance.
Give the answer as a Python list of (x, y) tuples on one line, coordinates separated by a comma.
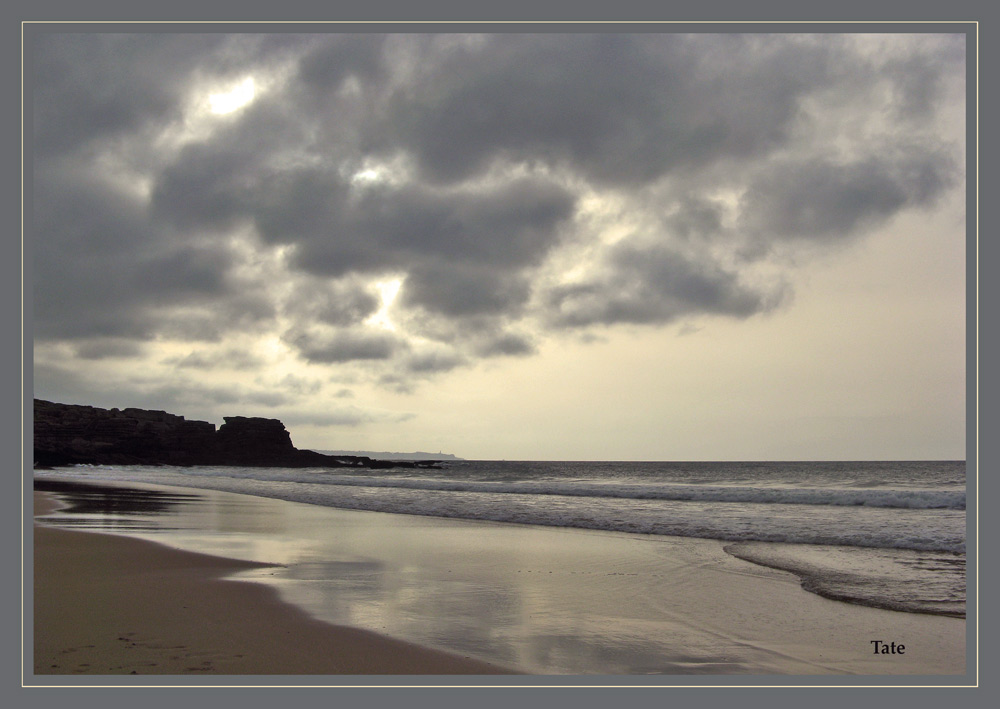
[(107, 349), (482, 156), (463, 247), (104, 262), (324, 68), (447, 240), (202, 188), (91, 87), (186, 272), (230, 358), (509, 225), (625, 109), (506, 344), (184, 293), (919, 77), (338, 303), (654, 285), (102, 266), (212, 320), (461, 290), (433, 362), (823, 200), (343, 345), (694, 218), (81, 212), (463, 250), (84, 231)]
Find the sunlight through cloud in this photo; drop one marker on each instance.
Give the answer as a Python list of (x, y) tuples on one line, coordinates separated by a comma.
[(388, 290), (234, 99)]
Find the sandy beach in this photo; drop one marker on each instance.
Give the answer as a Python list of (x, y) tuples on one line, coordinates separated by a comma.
[(107, 604), (365, 592)]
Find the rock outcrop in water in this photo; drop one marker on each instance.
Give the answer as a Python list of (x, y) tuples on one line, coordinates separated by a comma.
[(67, 434)]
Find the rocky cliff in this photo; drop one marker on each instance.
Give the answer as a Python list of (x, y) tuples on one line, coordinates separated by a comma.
[(67, 434)]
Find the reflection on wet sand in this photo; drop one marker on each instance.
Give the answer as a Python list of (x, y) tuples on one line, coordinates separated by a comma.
[(85, 499)]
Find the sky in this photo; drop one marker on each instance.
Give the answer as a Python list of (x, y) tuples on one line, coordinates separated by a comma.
[(603, 246)]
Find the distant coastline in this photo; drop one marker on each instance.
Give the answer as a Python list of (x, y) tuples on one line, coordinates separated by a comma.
[(384, 455), (72, 434)]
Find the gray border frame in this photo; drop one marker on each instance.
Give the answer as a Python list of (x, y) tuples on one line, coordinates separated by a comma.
[(702, 15)]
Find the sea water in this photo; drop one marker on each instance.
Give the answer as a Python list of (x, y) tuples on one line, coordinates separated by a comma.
[(890, 535)]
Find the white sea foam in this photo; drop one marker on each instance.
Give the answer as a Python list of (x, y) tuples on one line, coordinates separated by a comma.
[(894, 579), (845, 497)]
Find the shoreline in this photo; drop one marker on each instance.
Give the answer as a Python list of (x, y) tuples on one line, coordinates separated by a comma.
[(546, 600), (107, 604)]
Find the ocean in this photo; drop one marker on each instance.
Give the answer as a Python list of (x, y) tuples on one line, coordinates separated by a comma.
[(888, 535)]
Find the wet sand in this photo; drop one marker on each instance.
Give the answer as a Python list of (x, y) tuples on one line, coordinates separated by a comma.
[(107, 604), (541, 600)]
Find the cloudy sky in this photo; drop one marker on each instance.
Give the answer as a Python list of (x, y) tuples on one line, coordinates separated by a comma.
[(535, 246)]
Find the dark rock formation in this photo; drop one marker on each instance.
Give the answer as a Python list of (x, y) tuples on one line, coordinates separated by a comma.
[(246, 440), (67, 434)]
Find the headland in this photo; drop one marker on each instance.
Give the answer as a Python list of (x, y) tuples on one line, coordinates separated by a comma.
[(70, 434)]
